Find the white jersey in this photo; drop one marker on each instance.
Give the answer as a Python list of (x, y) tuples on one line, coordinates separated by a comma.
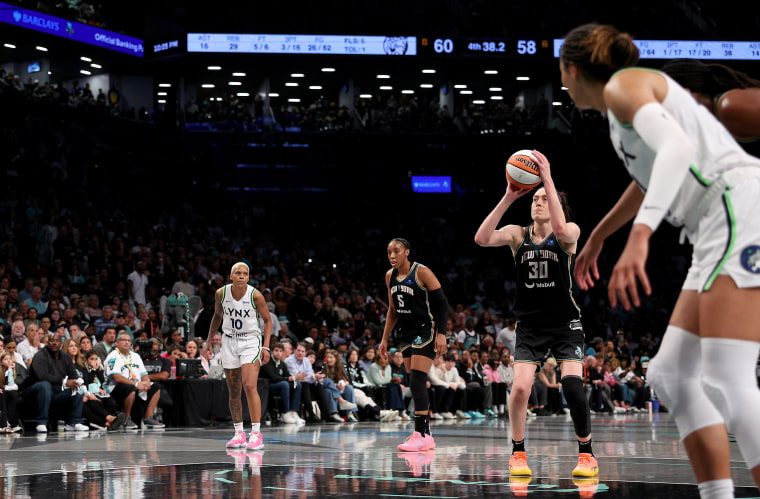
[(717, 150), (240, 316)]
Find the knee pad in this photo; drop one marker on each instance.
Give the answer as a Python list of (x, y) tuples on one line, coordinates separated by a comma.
[(674, 374), (572, 387), (418, 382), (729, 381)]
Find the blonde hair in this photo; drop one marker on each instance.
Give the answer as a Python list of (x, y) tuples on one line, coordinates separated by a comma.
[(599, 50), (240, 264), (80, 361), (551, 362)]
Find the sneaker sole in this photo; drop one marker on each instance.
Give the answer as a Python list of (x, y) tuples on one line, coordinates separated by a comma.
[(260, 446), (520, 472)]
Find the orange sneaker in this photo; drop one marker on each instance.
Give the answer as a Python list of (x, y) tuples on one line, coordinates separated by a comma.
[(587, 487), (587, 466), (518, 464), (519, 485)]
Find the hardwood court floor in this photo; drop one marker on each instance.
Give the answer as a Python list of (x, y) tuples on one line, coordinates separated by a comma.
[(639, 457)]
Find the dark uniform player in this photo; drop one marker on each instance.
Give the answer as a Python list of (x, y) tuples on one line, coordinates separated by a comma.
[(418, 307), (547, 315)]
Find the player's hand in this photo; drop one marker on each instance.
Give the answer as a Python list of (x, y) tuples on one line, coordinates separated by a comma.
[(382, 349), (630, 270), (265, 356), (514, 192), (543, 164), (586, 270), (440, 344)]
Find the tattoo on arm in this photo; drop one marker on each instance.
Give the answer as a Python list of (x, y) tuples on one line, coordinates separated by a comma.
[(235, 386)]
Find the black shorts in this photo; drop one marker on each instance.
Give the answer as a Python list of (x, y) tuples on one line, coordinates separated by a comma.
[(418, 341), (566, 342), (121, 391)]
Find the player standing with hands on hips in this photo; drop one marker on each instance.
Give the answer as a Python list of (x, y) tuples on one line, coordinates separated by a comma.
[(688, 170), (420, 310), (237, 308), (547, 315)]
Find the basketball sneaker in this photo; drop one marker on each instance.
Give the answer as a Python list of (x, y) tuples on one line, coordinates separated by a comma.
[(239, 440), (587, 466), (518, 464), (416, 442), (587, 487), (519, 485), (419, 462), (255, 442)]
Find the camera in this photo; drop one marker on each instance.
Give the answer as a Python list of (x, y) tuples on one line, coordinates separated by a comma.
[(144, 347)]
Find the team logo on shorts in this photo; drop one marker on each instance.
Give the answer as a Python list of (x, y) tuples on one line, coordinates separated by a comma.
[(751, 259), (418, 341), (579, 352)]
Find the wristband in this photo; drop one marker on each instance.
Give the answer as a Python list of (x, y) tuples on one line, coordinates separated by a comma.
[(137, 383), (267, 349)]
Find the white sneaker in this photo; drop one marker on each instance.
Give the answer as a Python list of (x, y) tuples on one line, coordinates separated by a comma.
[(436, 416), (346, 405), (462, 415), (41, 428), (76, 427), (352, 417), (288, 418), (531, 414), (619, 410), (448, 415)]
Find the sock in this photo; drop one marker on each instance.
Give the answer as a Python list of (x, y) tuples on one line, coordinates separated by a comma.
[(422, 424), (717, 489), (256, 427), (585, 447), (502, 409), (518, 446), (238, 427)]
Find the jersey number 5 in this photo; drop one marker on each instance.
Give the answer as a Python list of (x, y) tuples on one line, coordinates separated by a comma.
[(400, 300)]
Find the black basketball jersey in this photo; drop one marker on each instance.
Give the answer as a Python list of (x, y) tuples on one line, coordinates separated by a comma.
[(410, 300), (544, 282)]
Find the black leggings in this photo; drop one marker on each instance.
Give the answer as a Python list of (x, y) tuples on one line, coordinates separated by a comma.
[(8, 402)]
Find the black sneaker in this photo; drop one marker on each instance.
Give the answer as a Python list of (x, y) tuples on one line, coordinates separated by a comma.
[(152, 424), (116, 423)]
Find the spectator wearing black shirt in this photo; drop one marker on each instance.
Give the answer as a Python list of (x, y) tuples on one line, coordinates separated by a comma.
[(284, 385)]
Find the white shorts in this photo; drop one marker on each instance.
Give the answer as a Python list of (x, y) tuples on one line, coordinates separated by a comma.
[(728, 239), (239, 350)]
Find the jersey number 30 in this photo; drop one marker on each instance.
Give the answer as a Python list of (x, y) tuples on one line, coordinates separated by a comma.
[(538, 270)]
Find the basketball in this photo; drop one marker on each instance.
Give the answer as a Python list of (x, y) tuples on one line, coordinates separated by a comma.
[(522, 170)]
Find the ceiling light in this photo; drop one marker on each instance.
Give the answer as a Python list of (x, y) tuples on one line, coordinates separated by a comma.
[(218, 99), (490, 72), (494, 89), (165, 85), (84, 72), (243, 94), (234, 83), (291, 84), (315, 87), (208, 85), (365, 96), (386, 87), (407, 91), (460, 86), (96, 66), (214, 68), (294, 100), (466, 92), (478, 102), (238, 74), (162, 93), (162, 102), (556, 103), (426, 85), (429, 71), (497, 97), (383, 77), (41, 48), (50, 72), (297, 75), (9, 45), (85, 59), (523, 78), (274, 94), (328, 70)]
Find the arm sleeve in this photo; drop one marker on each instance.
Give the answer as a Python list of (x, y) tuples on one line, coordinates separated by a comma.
[(675, 154), (440, 309)]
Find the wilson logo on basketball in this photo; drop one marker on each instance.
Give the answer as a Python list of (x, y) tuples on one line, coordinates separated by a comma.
[(530, 164)]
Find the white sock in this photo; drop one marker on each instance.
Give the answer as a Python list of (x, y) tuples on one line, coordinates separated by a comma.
[(238, 427), (717, 489), (255, 427), (501, 408)]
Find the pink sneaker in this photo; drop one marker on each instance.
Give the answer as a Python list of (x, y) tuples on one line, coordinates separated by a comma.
[(417, 442), (256, 442), (238, 440)]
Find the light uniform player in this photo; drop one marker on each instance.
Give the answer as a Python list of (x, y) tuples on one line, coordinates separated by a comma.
[(686, 169), (238, 307), (548, 318)]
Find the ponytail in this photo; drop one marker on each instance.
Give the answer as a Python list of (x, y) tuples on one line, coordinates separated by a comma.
[(599, 50)]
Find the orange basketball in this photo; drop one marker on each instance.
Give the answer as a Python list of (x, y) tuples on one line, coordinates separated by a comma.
[(522, 170)]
